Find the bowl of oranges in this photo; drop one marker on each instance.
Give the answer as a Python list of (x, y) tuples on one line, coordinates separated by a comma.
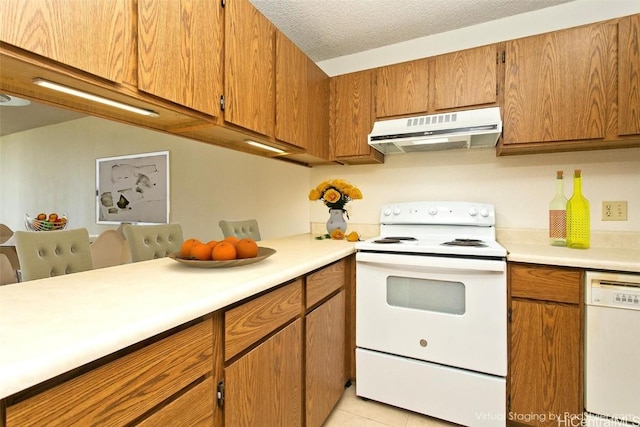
[(230, 252)]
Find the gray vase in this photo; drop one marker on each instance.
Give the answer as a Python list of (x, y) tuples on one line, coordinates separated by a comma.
[(336, 221)]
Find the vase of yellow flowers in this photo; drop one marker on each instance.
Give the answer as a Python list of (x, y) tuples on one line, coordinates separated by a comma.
[(335, 194)]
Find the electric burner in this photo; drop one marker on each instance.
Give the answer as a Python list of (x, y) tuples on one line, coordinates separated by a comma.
[(476, 243)]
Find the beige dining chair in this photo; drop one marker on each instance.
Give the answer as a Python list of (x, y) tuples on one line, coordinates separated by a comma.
[(52, 253), (7, 273), (152, 241), (109, 249), (240, 229)]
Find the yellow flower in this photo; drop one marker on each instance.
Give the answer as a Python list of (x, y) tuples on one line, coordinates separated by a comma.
[(354, 193), (315, 194), (332, 196)]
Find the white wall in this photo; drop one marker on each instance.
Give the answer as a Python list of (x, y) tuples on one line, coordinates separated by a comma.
[(52, 169), (520, 187)]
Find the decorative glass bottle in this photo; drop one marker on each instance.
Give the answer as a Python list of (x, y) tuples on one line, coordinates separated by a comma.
[(558, 214), (578, 222)]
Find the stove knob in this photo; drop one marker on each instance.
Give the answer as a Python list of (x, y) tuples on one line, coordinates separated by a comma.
[(433, 210), (484, 212), (473, 211), (396, 210), (387, 211)]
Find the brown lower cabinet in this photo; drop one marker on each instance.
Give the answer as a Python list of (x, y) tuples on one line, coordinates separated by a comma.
[(546, 353), (276, 359), (150, 386)]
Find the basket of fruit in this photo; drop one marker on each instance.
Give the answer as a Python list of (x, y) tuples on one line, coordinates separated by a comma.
[(44, 222)]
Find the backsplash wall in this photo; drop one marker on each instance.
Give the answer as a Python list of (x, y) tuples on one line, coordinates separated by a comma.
[(520, 187)]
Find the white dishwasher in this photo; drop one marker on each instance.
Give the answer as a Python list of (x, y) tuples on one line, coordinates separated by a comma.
[(612, 349)]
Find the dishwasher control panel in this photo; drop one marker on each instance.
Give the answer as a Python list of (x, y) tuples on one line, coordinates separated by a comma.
[(613, 290)]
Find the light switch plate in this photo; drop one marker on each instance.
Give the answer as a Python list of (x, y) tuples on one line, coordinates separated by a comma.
[(614, 211)]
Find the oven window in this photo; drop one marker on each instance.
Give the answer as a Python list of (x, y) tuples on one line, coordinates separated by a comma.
[(426, 294)]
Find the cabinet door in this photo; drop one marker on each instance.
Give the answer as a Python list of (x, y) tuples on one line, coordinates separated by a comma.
[(291, 92), (545, 362), (325, 359), (264, 387), (318, 111), (629, 76), (180, 52), (465, 78), (402, 88), (352, 116), (249, 68), (556, 85), (87, 35)]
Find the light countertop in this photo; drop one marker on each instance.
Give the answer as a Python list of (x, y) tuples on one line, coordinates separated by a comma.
[(616, 259), (51, 326)]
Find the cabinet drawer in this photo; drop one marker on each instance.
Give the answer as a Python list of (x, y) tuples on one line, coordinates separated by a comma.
[(253, 320), (546, 283), (124, 389), (324, 282), (194, 409)]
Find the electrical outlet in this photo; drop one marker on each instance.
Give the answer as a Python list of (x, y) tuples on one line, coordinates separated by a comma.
[(614, 211)]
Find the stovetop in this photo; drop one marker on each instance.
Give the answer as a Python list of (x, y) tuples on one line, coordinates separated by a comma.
[(439, 228)]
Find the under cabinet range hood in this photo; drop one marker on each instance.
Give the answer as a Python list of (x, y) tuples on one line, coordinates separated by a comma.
[(459, 129)]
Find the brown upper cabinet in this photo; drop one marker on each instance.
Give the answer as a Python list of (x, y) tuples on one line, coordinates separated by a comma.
[(180, 52), (86, 35), (292, 92), (317, 111), (556, 85), (249, 76), (629, 76), (465, 78), (351, 117), (402, 88)]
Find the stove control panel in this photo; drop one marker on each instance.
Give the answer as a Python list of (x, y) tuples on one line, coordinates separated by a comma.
[(449, 213)]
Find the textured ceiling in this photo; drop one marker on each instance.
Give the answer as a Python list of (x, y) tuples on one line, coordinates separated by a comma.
[(326, 29)]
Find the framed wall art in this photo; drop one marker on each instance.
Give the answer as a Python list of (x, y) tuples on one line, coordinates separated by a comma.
[(133, 189)]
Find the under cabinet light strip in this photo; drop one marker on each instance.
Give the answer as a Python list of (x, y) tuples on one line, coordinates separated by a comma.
[(264, 147), (94, 98)]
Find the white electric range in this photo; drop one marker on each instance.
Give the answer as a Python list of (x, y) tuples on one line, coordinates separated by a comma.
[(431, 312)]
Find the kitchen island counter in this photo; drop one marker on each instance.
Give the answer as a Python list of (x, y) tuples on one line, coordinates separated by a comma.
[(51, 326)]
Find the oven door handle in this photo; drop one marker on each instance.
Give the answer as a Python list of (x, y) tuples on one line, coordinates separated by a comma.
[(431, 262)]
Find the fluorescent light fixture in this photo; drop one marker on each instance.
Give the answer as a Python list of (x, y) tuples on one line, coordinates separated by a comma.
[(264, 147), (94, 98), (430, 141)]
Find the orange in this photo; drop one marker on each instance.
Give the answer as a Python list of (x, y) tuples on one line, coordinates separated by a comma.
[(185, 249), (337, 234), (212, 243), (231, 239), (224, 251), (246, 248), (201, 251)]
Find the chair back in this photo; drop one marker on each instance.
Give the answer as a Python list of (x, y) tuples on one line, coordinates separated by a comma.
[(7, 273), (240, 229), (52, 253), (5, 233), (152, 241), (109, 249)]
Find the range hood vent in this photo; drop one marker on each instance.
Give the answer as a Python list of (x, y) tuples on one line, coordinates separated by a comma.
[(458, 129)]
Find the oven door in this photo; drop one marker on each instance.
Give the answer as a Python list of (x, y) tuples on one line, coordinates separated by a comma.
[(446, 310)]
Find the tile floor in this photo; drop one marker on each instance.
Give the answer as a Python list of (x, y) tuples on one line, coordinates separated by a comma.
[(353, 411)]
